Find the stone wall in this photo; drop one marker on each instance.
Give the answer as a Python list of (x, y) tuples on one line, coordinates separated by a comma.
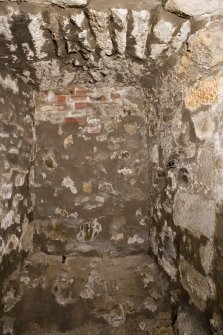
[(16, 151), (185, 151), (111, 147), (90, 175)]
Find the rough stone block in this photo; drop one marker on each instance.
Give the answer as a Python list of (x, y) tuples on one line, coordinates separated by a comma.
[(204, 125), (205, 92), (206, 45), (199, 288), (207, 254), (164, 30), (60, 3), (168, 266), (204, 175), (140, 31), (119, 16), (194, 7), (69, 3), (195, 213), (99, 25), (187, 322)]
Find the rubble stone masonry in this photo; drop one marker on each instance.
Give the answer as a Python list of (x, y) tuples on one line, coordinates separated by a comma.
[(111, 167)]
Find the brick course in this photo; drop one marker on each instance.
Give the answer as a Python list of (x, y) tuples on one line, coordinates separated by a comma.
[(73, 107)]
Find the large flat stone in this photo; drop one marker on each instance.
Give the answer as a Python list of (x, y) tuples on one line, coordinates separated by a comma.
[(70, 3), (193, 212), (60, 3), (204, 125), (206, 46), (195, 8)]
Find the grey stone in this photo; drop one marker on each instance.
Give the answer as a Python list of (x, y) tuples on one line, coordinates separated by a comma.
[(199, 287), (204, 175), (60, 3), (187, 323), (140, 31), (207, 254), (99, 24), (195, 213), (206, 51), (70, 3), (204, 125), (196, 8), (164, 30), (216, 323)]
